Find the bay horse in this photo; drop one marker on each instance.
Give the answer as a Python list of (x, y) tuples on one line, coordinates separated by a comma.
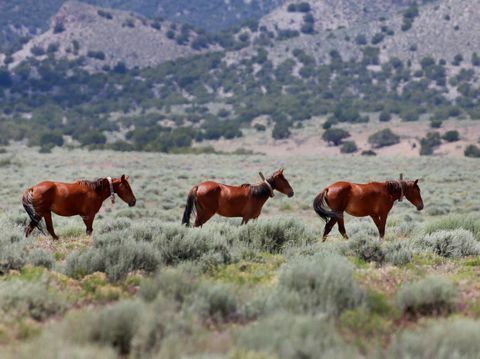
[(244, 201), (82, 198), (374, 199)]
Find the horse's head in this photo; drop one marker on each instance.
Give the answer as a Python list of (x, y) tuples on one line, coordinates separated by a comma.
[(280, 183), (412, 193), (124, 191)]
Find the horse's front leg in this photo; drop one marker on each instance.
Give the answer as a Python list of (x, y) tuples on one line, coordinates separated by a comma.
[(88, 220), (49, 222), (380, 222)]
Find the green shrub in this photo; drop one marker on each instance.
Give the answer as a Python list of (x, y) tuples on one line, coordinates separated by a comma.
[(431, 295), (116, 325), (472, 151), (34, 299), (349, 147), (319, 284), (274, 235), (458, 338), (215, 302), (366, 249), (470, 222), (383, 138), (335, 135), (385, 116), (286, 336), (429, 143), (451, 136), (397, 253), (176, 285), (449, 243)]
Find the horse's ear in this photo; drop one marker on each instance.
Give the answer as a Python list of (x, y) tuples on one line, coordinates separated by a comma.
[(416, 181), (124, 178), (281, 170)]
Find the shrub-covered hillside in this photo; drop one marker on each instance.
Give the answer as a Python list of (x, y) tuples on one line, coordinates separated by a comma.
[(144, 286)]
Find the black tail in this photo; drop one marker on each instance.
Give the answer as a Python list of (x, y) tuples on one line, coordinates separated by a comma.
[(192, 197), (27, 201), (318, 206)]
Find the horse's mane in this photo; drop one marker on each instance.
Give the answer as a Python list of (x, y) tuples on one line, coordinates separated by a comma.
[(393, 187), (97, 185), (259, 190)]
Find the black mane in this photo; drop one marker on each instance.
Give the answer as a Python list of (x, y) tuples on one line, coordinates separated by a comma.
[(260, 190), (394, 188), (97, 185)]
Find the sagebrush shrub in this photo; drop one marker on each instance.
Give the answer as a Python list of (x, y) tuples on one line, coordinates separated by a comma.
[(449, 243), (274, 235), (33, 299), (289, 336), (366, 249), (216, 302), (469, 222), (431, 295), (317, 284), (397, 253), (116, 325), (458, 338), (174, 284)]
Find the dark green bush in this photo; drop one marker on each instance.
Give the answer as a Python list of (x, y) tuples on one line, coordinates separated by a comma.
[(431, 295), (383, 138), (472, 151), (451, 136), (349, 147), (335, 135)]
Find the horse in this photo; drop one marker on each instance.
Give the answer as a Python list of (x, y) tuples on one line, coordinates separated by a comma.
[(83, 198), (244, 201), (374, 199)]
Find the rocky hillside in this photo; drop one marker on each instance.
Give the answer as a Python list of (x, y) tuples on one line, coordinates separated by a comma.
[(443, 29), (106, 37)]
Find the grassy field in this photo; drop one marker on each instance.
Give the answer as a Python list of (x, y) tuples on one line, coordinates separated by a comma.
[(144, 286)]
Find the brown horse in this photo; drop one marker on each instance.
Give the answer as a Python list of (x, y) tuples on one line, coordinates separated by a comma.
[(374, 199), (82, 198), (244, 201)]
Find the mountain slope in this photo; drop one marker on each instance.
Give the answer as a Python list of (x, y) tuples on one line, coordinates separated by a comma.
[(106, 37)]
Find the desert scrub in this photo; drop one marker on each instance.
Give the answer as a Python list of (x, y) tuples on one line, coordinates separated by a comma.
[(116, 259), (215, 302), (174, 284), (290, 336), (368, 250), (470, 222), (455, 243), (274, 235), (429, 296), (16, 252), (458, 338), (317, 284), (29, 298)]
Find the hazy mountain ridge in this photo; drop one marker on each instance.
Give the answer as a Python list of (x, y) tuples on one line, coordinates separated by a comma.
[(106, 37)]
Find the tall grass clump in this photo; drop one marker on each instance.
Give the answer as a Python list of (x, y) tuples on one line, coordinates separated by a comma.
[(458, 338), (470, 222), (289, 336), (274, 235), (429, 296), (318, 284), (454, 243), (32, 299)]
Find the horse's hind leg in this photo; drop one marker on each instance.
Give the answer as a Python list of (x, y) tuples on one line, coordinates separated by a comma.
[(380, 223), (202, 217), (48, 221), (341, 227), (328, 228), (29, 228)]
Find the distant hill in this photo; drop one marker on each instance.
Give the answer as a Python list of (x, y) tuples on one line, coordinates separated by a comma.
[(22, 19), (105, 37)]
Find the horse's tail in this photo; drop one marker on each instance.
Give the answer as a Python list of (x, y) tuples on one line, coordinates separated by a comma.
[(319, 207), (190, 206), (27, 201)]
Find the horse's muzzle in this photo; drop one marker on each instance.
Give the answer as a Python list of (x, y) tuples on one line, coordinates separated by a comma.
[(290, 194), (420, 207), (132, 203)]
